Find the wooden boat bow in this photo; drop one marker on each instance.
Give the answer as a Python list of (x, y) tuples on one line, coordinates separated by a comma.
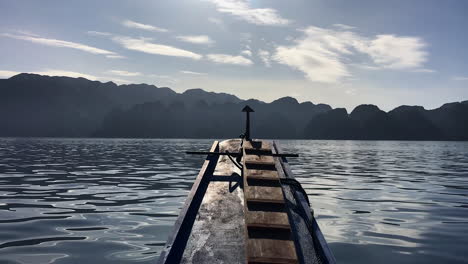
[(246, 210)]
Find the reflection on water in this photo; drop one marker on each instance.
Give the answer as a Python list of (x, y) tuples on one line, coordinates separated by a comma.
[(115, 201), (388, 202)]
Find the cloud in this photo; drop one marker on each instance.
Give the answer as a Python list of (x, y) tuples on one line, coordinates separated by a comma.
[(247, 53), (133, 24), (460, 78), (395, 52), (61, 44), (323, 54), (98, 33), (115, 57), (53, 72), (143, 45), (343, 26), (216, 21), (165, 78), (124, 73), (193, 73), (424, 70), (72, 74), (8, 74), (196, 39), (242, 10), (229, 59), (365, 66), (265, 57)]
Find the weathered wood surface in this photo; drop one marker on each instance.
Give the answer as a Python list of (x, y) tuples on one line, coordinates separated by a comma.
[(261, 219), (177, 241), (271, 251), (268, 237), (259, 159), (217, 234), (228, 218), (262, 145), (263, 194), (254, 174)]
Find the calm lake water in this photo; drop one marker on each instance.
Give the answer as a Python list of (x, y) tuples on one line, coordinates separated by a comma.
[(115, 201)]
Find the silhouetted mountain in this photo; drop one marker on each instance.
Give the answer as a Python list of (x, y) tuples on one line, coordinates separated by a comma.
[(334, 124), (373, 123), (194, 95), (449, 122), (34, 105)]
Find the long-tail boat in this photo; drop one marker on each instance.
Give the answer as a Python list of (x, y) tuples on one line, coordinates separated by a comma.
[(246, 207)]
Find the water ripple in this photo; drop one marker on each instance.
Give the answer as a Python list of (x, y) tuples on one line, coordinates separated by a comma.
[(115, 200)]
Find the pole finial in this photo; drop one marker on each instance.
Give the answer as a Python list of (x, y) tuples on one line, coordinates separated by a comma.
[(247, 111)]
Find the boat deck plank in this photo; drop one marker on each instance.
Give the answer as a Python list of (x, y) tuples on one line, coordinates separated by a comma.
[(268, 236), (218, 231), (253, 174), (271, 251), (257, 145), (263, 194), (259, 159), (276, 220)]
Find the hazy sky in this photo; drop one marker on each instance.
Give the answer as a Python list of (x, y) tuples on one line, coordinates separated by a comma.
[(338, 52)]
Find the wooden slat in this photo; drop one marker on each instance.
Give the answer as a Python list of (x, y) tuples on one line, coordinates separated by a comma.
[(258, 159), (257, 145), (261, 175), (268, 230), (267, 220), (263, 194), (271, 251)]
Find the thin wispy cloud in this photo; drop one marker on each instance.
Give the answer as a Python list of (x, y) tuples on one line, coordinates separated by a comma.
[(265, 56), (343, 26), (136, 25), (65, 73), (192, 72), (61, 44), (116, 57), (196, 39), (8, 74), (322, 54), (424, 70), (241, 10), (229, 59), (460, 78), (144, 45), (54, 72), (165, 78), (98, 33), (124, 73), (247, 53), (217, 22)]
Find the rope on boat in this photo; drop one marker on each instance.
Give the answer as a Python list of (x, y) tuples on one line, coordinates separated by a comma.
[(296, 186), (234, 161)]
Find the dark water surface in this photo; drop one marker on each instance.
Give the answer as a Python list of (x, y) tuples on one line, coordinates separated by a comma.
[(115, 201)]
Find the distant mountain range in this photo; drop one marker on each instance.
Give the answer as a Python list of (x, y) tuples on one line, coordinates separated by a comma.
[(43, 106)]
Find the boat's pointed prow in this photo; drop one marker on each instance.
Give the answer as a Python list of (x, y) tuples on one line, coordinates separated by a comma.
[(246, 207)]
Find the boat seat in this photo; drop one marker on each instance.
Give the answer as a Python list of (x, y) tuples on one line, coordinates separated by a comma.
[(268, 235), (261, 175), (263, 194), (274, 220), (271, 251), (259, 159), (257, 145)]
